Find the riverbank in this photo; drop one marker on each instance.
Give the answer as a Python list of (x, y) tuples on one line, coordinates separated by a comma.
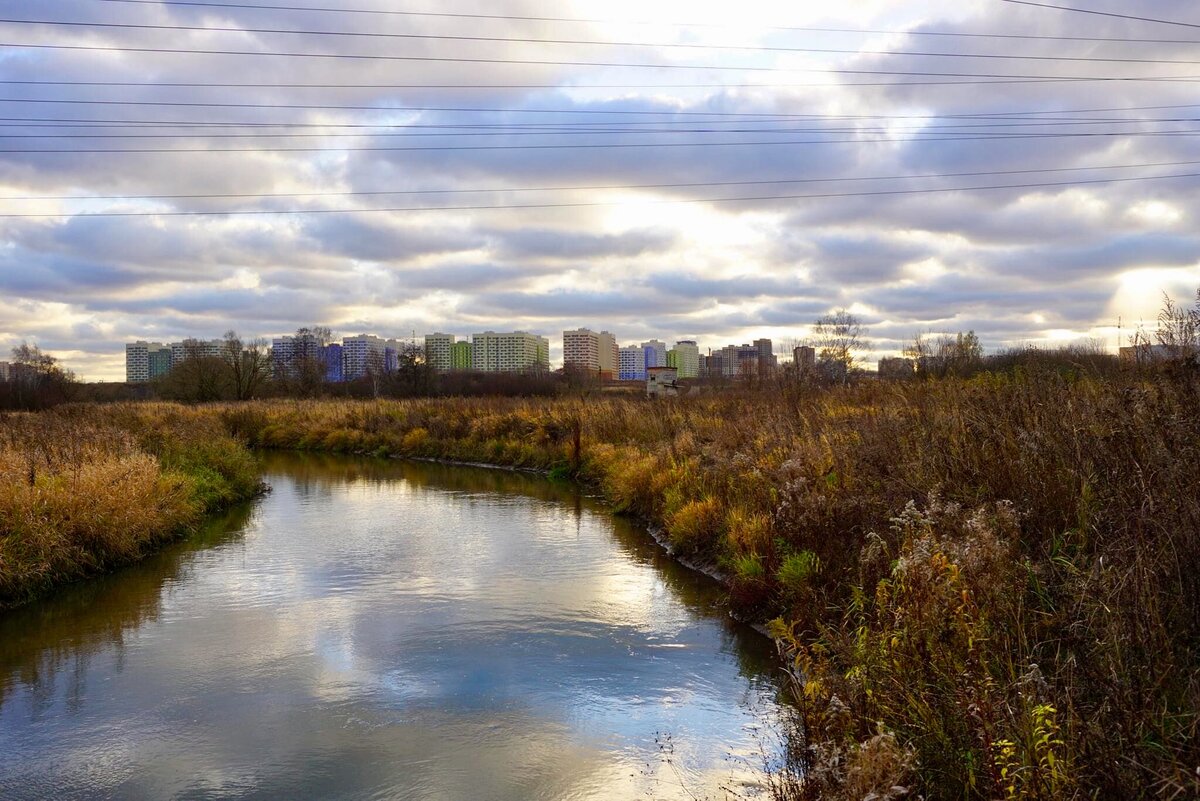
[(1001, 574), (87, 489), (991, 586)]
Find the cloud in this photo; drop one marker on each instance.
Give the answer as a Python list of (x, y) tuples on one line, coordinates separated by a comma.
[(568, 193)]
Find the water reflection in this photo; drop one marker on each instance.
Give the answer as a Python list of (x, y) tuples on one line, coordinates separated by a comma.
[(384, 629)]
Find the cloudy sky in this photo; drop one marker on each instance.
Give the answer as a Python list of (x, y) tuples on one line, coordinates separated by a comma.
[(447, 168)]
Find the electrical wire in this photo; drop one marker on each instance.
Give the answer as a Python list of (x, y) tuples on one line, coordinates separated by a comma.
[(601, 187), (592, 204), (574, 63), (590, 42), (1097, 13), (596, 21)]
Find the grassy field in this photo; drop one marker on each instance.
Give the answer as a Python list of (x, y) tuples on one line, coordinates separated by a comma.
[(991, 587), (87, 488)]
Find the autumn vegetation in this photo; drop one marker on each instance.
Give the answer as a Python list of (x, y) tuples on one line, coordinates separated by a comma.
[(86, 488), (985, 582)]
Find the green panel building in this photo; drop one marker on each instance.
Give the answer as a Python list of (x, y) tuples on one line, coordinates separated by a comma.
[(460, 355)]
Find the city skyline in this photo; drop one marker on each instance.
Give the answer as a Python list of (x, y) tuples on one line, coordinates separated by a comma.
[(867, 189)]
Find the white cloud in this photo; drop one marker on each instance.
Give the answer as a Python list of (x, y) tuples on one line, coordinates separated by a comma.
[(1018, 264)]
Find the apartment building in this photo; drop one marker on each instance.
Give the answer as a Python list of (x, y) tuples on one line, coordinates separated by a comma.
[(581, 350), (196, 349), (632, 364), (145, 361), (591, 352), (655, 353), (460, 356), (686, 359), (4, 372), (367, 353), (332, 357), (438, 351), (288, 353), (514, 351), (608, 354)]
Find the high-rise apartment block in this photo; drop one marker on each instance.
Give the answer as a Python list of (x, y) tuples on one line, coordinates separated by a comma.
[(804, 357), (196, 349), (145, 361), (687, 358), (367, 354), (290, 353), (581, 351), (509, 352), (655, 353), (332, 357), (608, 354), (438, 349), (460, 356), (591, 352), (4, 372), (632, 366), (733, 361)]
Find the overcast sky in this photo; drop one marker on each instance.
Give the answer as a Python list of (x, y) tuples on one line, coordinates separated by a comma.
[(598, 130)]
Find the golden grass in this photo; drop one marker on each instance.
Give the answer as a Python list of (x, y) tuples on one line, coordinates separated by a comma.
[(986, 588), (83, 490), (1002, 572)]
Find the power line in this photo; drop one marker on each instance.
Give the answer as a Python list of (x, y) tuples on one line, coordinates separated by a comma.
[(1105, 13), (739, 117), (560, 85), (501, 130), (747, 115), (588, 42), (601, 187), (609, 145), (572, 63), (516, 17), (589, 204)]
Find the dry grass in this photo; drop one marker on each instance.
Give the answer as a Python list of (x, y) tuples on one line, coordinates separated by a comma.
[(1002, 572), (990, 587), (86, 489)]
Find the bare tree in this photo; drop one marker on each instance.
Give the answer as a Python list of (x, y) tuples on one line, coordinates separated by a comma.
[(944, 354), (1179, 329), (37, 379), (308, 370), (248, 365), (840, 339), (199, 377)]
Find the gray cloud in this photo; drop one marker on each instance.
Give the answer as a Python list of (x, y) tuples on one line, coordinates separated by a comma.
[(1012, 262)]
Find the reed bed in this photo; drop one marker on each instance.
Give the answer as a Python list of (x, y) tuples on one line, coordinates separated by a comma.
[(86, 489), (985, 588)]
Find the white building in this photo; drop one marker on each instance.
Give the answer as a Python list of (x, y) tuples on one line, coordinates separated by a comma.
[(688, 355), (655, 352), (289, 352), (196, 349), (367, 353), (3, 372), (632, 364), (437, 351), (509, 352), (146, 360)]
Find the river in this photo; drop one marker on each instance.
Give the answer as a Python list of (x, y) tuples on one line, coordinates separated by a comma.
[(389, 630)]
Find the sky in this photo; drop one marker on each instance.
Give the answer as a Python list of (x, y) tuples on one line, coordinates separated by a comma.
[(675, 170)]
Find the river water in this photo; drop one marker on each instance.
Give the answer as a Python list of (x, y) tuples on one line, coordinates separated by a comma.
[(389, 630)]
